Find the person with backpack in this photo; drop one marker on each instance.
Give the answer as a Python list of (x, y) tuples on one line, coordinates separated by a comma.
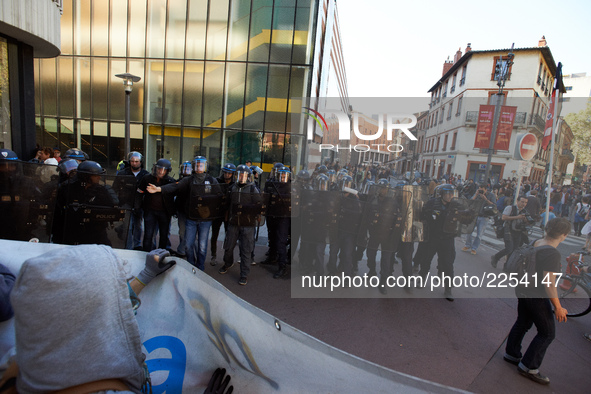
[(535, 301), (516, 219), (582, 209)]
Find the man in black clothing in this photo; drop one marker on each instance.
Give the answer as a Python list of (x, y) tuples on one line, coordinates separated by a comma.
[(158, 209), (226, 180), (535, 304), (516, 220)]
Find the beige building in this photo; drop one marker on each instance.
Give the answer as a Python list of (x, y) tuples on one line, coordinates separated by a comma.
[(468, 82)]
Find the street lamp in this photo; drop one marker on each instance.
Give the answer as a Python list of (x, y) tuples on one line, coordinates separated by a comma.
[(503, 69), (128, 80)]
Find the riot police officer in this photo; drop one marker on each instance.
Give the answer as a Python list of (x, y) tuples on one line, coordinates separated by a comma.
[(158, 209), (185, 170), (76, 154), (126, 188), (436, 213), (226, 180), (279, 214), (243, 216), (196, 187)]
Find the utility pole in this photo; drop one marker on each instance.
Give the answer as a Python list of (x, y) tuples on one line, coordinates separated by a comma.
[(502, 68)]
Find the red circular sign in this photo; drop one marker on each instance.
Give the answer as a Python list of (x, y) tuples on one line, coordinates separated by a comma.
[(528, 146)]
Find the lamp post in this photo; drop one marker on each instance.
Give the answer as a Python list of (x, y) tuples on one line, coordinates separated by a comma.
[(502, 69), (128, 80)]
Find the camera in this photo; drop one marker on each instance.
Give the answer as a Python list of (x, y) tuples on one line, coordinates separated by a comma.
[(481, 191)]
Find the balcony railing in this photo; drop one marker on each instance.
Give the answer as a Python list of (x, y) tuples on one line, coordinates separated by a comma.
[(538, 122), (569, 155), (520, 118)]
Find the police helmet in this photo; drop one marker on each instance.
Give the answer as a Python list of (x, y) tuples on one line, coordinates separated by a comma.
[(161, 164), (367, 187), (275, 170), (88, 168), (322, 182), (342, 172), (66, 166), (229, 167), (346, 182), (443, 189), (322, 169), (75, 154), (185, 169), (136, 155), (8, 155), (383, 182), (283, 174), (332, 176), (244, 173), (199, 164), (304, 175)]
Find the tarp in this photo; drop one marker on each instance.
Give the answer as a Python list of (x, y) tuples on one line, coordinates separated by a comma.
[(190, 325)]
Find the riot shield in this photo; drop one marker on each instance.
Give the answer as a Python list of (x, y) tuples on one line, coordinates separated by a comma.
[(247, 209), (414, 228), (28, 197), (125, 186), (88, 212), (279, 200), (207, 202), (458, 215), (384, 216)]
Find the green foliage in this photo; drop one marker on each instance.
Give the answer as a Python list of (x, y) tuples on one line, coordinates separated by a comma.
[(580, 124)]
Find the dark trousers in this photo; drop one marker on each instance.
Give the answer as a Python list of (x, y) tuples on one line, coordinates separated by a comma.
[(532, 311), (281, 239), (342, 247), (216, 224), (405, 251), (245, 238), (513, 240), (446, 255), (155, 220)]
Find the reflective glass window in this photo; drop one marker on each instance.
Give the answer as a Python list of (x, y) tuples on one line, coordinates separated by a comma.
[(298, 87), (118, 28), (65, 85), (49, 88), (196, 29), (260, 30), (100, 77), (302, 43), (282, 35), (239, 147), (117, 92), (190, 143), (81, 28), (154, 86), (82, 81), (100, 28), (256, 84), (66, 28), (5, 129), (213, 94), (156, 28), (277, 89), (272, 150), (50, 132), (136, 67), (67, 135), (175, 37), (137, 28), (217, 30), (193, 93), (174, 88), (235, 83), (238, 35), (210, 148)]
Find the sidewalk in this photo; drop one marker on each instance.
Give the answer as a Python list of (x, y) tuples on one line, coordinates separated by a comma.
[(459, 344)]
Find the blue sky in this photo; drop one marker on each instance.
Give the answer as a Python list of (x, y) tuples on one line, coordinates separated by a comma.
[(397, 48)]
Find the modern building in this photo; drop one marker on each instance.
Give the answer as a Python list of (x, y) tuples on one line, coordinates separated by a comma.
[(218, 78), (470, 81), (29, 29)]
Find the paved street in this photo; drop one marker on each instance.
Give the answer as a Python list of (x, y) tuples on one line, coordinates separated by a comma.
[(459, 343)]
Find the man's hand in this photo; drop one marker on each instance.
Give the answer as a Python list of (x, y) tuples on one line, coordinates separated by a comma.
[(153, 189), (560, 313), (155, 265)]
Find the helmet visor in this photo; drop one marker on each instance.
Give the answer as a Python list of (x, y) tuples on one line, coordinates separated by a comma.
[(200, 166), (243, 177), (283, 177)]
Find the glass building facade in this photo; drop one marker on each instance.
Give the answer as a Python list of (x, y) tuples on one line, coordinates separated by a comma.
[(217, 79)]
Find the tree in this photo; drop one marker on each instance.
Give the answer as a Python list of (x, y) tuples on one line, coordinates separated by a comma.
[(580, 124)]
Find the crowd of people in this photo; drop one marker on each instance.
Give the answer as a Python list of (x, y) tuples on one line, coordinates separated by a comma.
[(352, 210)]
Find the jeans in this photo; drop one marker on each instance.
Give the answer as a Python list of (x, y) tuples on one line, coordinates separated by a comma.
[(481, 223), (196, 253), (182, 220), (531, 311)]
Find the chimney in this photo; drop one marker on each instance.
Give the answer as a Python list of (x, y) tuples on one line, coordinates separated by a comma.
[(469, 47), (542, 42), (446, 66), (458, 55)]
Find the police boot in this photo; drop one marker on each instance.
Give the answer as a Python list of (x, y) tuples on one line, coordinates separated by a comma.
[(281, 272), (447, 294)]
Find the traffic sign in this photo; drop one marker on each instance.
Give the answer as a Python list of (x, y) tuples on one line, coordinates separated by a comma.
[(526, 146)]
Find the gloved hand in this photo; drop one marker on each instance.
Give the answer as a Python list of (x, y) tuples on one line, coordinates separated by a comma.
[(217, 383), (155, 265)]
